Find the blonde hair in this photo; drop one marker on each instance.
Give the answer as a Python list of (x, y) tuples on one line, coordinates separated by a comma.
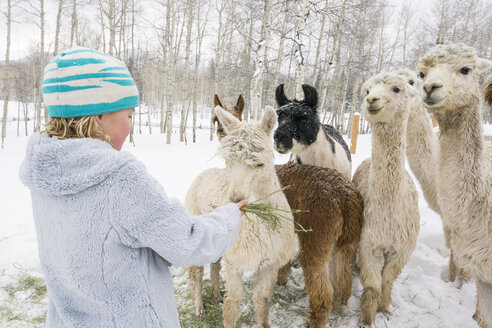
[(75, 127)]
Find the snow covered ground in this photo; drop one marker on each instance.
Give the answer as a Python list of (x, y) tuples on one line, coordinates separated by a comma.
[(422, 296)]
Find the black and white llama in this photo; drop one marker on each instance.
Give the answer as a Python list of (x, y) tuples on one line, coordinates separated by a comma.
[(301, 132)]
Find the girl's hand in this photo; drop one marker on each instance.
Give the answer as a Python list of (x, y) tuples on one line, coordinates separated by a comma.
[(241, 204)]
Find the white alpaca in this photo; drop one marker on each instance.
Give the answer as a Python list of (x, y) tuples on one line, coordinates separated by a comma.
[(391, 214), (250, 174), (452, 93), (422, 154)]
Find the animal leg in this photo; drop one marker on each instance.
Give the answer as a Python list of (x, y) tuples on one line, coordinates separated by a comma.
[(195, 274), (391, 271), (233, 297), (483, 313), (371, 264), (320, 291), (215, 278), (283, 274), (265, 279), (341, 274)]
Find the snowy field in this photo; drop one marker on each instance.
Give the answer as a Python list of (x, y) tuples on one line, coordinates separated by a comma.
[(422, 296)]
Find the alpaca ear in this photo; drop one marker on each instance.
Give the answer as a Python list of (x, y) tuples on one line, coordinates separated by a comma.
[(483, 64), (310, 96), (217, 101), (228, 121), (240, 105), (280, 96), (269, 120), (214, 119)]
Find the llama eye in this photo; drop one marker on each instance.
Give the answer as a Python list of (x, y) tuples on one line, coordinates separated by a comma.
[(411, 82), (422, 75), (396, 90), (465, 70)]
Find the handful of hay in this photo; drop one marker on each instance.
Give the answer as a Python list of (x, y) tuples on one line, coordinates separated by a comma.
[(270, 215)]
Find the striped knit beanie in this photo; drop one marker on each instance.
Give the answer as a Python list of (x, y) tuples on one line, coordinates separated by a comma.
[(83, 82)]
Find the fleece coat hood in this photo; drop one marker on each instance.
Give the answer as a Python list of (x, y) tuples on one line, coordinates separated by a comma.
[(107, 234)]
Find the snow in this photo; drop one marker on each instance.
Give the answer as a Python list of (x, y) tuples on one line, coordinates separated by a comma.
[(422, 296)]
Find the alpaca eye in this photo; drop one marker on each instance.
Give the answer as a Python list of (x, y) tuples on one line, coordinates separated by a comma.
[(396, 90), (465, 70), (411, 82), (422, 75), (260, 165), (367, 92)]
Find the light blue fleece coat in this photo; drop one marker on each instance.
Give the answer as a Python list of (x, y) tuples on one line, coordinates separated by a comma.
[(107, 233)]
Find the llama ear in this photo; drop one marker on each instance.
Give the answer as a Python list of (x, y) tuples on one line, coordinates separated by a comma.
[(269, 120), (280, 96), (217, 101), (310, 95), (483, 64), (240, 104), (228, 121)]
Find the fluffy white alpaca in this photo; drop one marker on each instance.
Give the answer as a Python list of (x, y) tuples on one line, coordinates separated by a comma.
[(422, 154), (450, 75), (391, 215), (250, 174)]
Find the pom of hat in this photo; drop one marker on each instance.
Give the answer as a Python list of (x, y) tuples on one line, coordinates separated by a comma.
[(84, 82)]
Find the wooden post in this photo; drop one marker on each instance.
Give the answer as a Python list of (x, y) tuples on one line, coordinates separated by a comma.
[(434, 122), (355, 133)]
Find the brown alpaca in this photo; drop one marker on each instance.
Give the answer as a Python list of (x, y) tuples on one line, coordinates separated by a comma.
[(335, 218), (236, 110)]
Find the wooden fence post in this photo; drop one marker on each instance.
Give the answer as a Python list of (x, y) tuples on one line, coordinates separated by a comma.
[(355, 133)]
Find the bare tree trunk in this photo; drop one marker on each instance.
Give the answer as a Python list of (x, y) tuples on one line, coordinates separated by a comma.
[(73, 30), (182, 126), (335, 49), (6, 82), (58, 25), (380, 48), (218, 50), (170, 76), (318, 48), (301, 24), (394, 44), (18, 117), (258, 76), (281, 45)]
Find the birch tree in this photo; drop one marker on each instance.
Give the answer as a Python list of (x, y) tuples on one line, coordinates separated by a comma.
[(301, 24), (182, 126), (58, 26), (74, 24), (6, 82), (218, 51), (280, 53), (256, 88)]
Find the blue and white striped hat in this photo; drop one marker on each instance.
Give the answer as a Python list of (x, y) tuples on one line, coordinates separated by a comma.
[(83, 82)]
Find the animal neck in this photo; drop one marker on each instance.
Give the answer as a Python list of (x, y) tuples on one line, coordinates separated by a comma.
[(388, 157), (315, 153), (462, 158), (422, 152)]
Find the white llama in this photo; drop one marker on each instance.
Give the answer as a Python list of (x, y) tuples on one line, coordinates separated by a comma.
[(450, 74), (250, 174), (422, 154), (391, 214)]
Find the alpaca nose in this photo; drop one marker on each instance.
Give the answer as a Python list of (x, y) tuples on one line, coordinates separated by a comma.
[(372, 99), (431, 86)]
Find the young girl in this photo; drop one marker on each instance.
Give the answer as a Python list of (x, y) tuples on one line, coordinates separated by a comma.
[(106, 230)]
